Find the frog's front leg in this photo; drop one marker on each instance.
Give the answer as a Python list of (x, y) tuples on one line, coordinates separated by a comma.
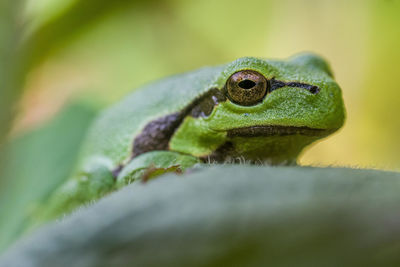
[(153, 164)]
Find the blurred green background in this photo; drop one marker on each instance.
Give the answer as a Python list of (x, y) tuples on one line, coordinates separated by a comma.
[(93, 52)]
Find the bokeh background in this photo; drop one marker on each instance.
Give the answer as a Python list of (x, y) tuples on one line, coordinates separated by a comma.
[(66, 59)]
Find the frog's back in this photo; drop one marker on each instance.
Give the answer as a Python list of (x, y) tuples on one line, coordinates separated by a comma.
[(113, 132)]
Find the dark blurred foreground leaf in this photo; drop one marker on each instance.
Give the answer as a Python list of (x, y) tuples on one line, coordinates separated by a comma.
[(231, 215), (38, 162)]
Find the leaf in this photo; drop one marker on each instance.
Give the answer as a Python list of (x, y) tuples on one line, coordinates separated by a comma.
[(9, 36), (22, 51), (74, 19), (230, 215), (37, 163)]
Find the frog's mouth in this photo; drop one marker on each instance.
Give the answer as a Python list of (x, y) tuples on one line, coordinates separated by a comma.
[(277, 130)]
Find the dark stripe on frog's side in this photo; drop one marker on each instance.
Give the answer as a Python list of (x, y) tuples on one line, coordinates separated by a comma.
[(157, 133), (276, 84)]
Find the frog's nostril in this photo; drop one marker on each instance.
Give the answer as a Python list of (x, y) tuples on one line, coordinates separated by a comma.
[(247, 84), (314, 89)]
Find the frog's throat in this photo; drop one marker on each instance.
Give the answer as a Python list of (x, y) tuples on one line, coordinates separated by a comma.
[(265, 144), (277, 130)]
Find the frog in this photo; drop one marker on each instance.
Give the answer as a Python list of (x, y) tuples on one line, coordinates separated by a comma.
[(249, 111)]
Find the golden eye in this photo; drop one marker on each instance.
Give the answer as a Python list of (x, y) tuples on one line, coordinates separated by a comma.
[(246, 87)]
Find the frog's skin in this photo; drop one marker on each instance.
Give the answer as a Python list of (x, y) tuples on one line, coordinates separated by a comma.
[(250, 110)]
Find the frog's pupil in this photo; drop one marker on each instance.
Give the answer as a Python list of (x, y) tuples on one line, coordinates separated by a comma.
[(246, 84)]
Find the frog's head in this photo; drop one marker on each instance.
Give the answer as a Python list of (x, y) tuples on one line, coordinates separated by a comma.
[(263, 110)]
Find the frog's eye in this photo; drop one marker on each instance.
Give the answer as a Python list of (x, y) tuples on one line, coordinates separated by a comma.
[(246, 87)]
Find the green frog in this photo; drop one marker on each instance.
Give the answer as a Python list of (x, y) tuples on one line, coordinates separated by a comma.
[(251, 110)]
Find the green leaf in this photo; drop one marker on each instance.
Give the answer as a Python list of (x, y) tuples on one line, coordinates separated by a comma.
[(231, 215), (9, 36), (21, 50), (73, 20), (36, 164)]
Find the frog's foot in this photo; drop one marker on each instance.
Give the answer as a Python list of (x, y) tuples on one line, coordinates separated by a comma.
[(152, 172), (153, 164)]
